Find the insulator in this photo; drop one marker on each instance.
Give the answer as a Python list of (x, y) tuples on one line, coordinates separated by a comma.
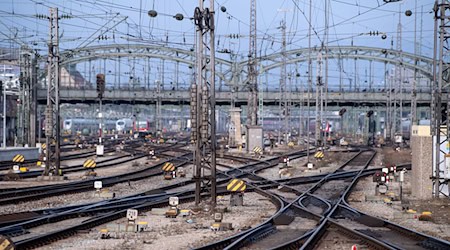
[(179, 17), (48, 121), (194, 126), (193, 102), (204, 114), (152, 13)]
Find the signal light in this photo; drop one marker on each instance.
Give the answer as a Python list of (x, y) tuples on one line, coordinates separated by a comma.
[(100, 85)]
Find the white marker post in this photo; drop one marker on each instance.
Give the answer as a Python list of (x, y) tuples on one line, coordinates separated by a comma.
[(100, 147), (402, 179), (174, 201), (132, 215), (98, 185)]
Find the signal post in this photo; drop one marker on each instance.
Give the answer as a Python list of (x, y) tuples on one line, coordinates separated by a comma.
[(100, 91)]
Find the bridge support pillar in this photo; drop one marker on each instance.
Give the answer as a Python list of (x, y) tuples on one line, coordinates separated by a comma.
[(254, 137), (421, 147), (234, 133)]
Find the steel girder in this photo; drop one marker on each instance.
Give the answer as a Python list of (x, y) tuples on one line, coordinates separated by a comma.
[(423, 64), (230, 69), (139, 50)]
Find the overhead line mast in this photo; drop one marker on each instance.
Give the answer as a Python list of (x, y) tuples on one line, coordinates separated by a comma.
[(203, 105), (440, 121), (52, 119), (252, 114)]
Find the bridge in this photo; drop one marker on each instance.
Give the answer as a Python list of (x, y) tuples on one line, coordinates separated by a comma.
[(167, 73), (144, 96), (232, 75)]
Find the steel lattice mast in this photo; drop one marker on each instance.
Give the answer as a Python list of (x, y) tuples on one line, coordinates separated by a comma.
[(319, 101), (398, 100), (440, 123), (52, 119), (414, 84), (203, 105), (23, 128), (284, 102), (252, 114)]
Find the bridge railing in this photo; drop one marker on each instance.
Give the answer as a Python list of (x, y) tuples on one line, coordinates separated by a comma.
[(224, 88)]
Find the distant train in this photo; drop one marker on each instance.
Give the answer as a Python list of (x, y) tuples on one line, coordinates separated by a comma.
[(123, 125), (126, 124), (143, 126), (272, 124), (86, 126), (334, 125), (406, 127)]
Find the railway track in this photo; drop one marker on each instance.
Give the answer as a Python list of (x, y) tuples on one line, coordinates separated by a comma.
[(109, 147), (129, 152), (300, 211), (9, 196), (293, 226), (17, 223), (284, 216)]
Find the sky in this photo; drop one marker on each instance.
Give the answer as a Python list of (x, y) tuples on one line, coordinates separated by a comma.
[(348, 18), (119, 22)]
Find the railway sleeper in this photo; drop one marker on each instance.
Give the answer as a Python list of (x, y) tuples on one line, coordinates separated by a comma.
[(261, 233), (14, 231), (433, 244), (362, 237)]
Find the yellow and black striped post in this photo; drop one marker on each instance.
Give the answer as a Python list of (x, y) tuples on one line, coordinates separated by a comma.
[(44, 146), (89, 163), (169, 171), (6, 243), (18, 158), (168, 167), (236, 185), (237, 188), (319, 155), (258, 150)]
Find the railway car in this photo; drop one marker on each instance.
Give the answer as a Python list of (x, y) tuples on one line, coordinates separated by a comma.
[(86, 126), (124, 125), (406, 127), (127, 124), (142, 126)]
